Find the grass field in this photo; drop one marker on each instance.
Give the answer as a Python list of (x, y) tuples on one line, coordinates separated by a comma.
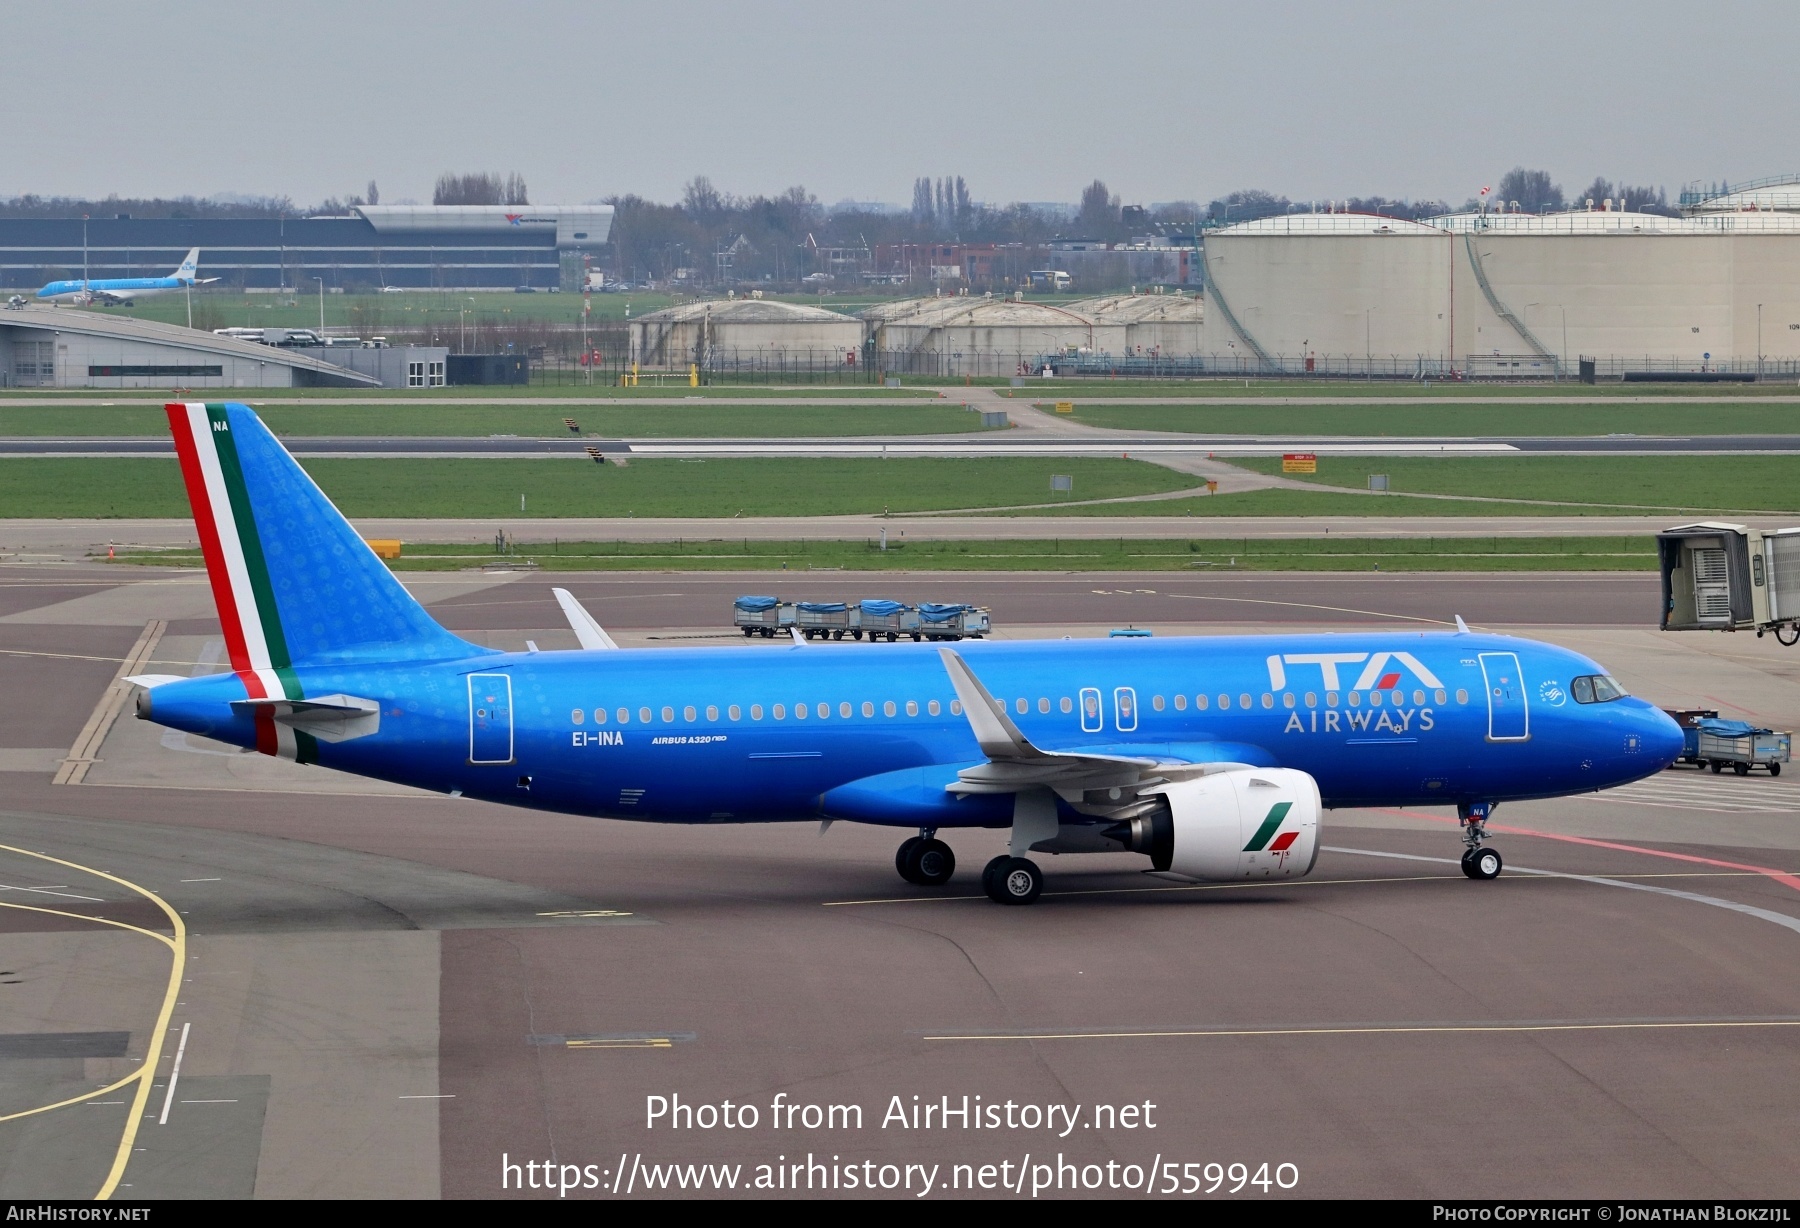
[(1742, 483), (1239, 554), (1383, 390), (1476, 418), (55, 487), (693, 421)]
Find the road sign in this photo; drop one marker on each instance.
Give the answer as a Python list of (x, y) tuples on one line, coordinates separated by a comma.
[(1065, 407), (1299, 462), (1061, 482)]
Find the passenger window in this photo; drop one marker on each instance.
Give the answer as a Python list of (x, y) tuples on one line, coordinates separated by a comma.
[(1021, 705), (1156, 701), (735, 713), (887, 709), (1043, 705), (956, 707), (1244, 701), (712, 712), (756, 712), (599, 716), (1441, 697), (1066, 704), (931, 707), (1181, 703), (688, 713), (1287, 699), (799, 712), (1462, 696), (1583, 690), (868, 708), (780, 712), (1418, 699), (912, 707), (1224, 703), (1200, 702), (1312, 700), (668, 715), (1354, 699), (644, 717), (578, 716), (1331, 699), (1268, 700), (624, 716), (1374, 699)]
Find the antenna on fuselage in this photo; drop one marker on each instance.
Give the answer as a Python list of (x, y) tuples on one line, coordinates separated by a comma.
[(1462, 628), (798, 638)]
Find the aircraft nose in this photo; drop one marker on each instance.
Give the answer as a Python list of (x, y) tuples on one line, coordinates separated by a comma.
[(1663, 739)]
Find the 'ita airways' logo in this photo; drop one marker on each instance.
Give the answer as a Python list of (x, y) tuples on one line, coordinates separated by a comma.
[(1381, 672)]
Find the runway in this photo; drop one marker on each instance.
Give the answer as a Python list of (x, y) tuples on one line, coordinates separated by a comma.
[(374, 992), (994, 443)]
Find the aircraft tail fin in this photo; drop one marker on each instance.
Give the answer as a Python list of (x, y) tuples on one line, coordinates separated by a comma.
[(190, 266), (294, 583)]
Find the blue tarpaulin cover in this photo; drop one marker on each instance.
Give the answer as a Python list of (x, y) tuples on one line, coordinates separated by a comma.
[(822, 607), (756, 603), (881, 608), (1721, 728), (932, 612)]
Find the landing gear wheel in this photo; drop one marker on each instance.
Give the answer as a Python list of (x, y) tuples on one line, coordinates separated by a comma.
[(1012, 880), (1482, 863), (933, 863), (906, 858)]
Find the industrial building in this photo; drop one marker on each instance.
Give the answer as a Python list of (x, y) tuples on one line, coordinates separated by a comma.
[(718, 333), (462, 247), (50, 347), (1156, 325), (1503, 293), (966, 335)]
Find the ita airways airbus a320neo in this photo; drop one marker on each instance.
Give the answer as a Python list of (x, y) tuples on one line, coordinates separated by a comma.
[(1214, 757)]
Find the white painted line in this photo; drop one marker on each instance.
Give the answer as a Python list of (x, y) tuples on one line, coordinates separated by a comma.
[(174, 1077), (202, 880), (209, 1102), (445, 1096), (69, 895)]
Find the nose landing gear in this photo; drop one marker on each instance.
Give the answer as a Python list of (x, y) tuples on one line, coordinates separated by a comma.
[(925, 860), (1477, 862)]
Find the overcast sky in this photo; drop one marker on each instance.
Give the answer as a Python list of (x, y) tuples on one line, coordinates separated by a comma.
[(1027, 101)]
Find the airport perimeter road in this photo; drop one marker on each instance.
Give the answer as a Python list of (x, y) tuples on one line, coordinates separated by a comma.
[(387, 993), (77, 539), (1089, 442)]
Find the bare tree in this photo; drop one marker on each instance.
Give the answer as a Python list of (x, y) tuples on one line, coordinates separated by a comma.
[(1099, 209), (1532, 189), (373, 195)]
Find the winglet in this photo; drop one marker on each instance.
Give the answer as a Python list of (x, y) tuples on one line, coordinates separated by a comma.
[(1462, 628), (994, 731), (589, 632), (798, 638)]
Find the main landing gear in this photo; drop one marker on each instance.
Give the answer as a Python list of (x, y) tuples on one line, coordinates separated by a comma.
[(925, 860), (1477, 862), (1012, 880)]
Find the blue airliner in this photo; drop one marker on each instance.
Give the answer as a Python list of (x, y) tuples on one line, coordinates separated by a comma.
[(1212, 756), (124, 290)]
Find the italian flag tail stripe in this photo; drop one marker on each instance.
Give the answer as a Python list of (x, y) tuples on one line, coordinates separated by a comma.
[(1270, 826), (235, 563)]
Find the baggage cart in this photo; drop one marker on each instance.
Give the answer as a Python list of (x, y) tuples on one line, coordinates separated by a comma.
[(1742, 746), (1689, 719), (819, 620), (879, 619), (952, 621), (764, 616)]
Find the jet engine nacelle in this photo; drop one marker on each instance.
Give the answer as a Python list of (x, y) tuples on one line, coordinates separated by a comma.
[(1242, 823)]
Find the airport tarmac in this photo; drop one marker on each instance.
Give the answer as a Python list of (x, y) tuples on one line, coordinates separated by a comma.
[(347, 989)]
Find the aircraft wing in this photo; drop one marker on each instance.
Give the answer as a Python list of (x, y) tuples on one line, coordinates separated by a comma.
[(1102, 782), (106, 296)]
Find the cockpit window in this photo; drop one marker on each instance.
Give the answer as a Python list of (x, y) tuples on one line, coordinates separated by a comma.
[(1595, 689)]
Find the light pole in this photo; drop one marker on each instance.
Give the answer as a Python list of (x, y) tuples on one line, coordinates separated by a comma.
[(321, 282), (1368, 345), (84, 253), (1759, 349)]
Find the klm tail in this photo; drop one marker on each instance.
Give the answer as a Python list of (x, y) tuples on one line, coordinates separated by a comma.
[(294, 584), (190, 266)]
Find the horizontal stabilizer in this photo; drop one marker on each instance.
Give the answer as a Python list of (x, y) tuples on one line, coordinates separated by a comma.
[(592, 636), (154, 680), (329, 718)]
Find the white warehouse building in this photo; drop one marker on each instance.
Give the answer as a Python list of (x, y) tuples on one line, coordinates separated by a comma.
[(739, 332), (1508, 293)]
